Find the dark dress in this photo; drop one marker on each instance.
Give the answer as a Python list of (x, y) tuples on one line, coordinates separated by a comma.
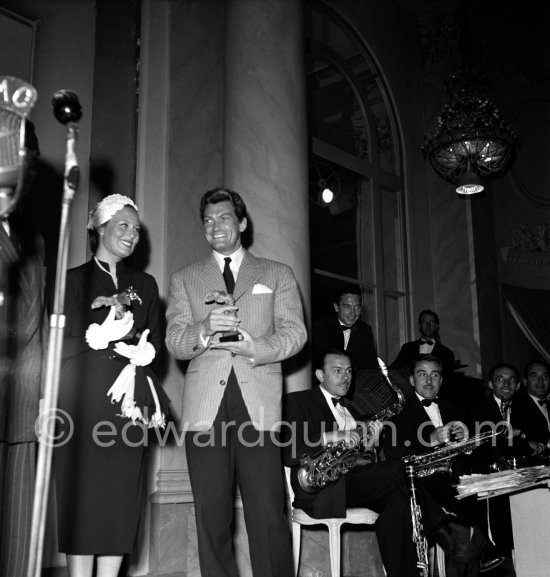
[(99, 470)]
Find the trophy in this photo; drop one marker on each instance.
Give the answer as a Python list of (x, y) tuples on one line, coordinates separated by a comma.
[(122, 303), (223, 298)]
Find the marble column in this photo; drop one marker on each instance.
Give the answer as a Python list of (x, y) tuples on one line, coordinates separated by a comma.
[(265, 138)]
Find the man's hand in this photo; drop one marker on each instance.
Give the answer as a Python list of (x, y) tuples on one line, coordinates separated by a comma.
[(536, 448), (371, 434), (245, 347), (220, 320), (453, 432), (350, 438)]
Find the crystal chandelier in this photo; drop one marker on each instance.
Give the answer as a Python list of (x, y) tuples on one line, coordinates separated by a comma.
[(471, 142)]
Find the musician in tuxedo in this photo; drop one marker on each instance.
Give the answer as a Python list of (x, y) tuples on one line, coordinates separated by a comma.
[(345, 330), (232, 396), (429, 422), (22, 347), (428, 343), (534, 405), (317, 417), (501, 407)]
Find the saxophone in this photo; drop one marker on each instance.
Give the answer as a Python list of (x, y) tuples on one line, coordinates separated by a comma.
[(418, 535), (440, 460), (336, 459)]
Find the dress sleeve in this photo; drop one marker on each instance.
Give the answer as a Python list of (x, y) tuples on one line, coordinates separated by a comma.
[(155, 320), (74, 341)]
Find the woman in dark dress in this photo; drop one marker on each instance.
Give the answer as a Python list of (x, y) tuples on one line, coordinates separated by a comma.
[(107, 397)]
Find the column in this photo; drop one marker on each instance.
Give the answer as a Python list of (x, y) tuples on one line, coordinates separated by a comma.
[(265, 138)]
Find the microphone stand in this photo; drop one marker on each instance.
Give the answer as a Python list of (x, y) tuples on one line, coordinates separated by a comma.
[(68, 111)]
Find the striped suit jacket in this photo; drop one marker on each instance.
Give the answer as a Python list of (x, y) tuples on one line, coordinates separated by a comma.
[(22, 331), (274, 319)]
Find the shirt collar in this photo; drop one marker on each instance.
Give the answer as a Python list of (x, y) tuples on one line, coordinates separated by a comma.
[(327, 395), (236, 259)]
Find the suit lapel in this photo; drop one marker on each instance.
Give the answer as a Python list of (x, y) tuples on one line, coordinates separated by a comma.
[(211, 275), (322, 404), (249, 273)]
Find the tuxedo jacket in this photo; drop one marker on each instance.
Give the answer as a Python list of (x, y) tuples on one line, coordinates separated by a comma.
[(411, 351), (486, 413), (270, 309), (22, 331), (307, 417), (408, 432), (327, 334), (531, 420)]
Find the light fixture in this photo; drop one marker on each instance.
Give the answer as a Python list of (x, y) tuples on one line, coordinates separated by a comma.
[(471, 141), (327, 196), (324, 184)]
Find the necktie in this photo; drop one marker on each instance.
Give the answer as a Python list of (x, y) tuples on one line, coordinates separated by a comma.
[(228, 276), (428, 402), (504, 406)]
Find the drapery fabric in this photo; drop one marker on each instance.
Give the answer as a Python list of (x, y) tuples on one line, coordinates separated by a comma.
[(530, 309)]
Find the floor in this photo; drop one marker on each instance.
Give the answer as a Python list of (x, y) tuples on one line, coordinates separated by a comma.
[(504, 570)]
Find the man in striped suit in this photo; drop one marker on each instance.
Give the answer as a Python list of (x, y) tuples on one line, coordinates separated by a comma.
[(233, 389), (22, 340)]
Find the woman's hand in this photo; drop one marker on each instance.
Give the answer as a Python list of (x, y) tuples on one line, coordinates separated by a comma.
[(111, 329), (141, 354)]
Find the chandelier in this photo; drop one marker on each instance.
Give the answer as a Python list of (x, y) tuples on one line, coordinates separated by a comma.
[(471, 142)]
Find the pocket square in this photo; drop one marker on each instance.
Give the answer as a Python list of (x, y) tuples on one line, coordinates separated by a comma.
[(260, 289)]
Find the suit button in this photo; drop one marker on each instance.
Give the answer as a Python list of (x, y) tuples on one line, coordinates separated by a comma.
[(222, 383)]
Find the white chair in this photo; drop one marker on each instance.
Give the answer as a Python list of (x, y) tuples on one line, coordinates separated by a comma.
[(299, 517)]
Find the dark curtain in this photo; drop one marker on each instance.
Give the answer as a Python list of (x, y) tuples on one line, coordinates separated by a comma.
[(530, 309)]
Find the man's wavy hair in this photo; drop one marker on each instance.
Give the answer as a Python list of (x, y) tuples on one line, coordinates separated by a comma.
[(221, 194)]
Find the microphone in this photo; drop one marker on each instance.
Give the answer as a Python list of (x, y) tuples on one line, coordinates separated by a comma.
[(67, 109), (17, 99), (66, 106)]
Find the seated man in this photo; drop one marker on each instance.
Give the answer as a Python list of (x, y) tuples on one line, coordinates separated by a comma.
[(426, 423), (533, 406), (502, 406), (318, 417)]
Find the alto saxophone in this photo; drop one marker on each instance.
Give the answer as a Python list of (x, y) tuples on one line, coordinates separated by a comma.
[(440, 460), (336, 459)]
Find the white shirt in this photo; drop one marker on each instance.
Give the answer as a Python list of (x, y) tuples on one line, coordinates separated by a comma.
[(425, 348), (346, 333), (432, 412), (343, 417), (236, 260)]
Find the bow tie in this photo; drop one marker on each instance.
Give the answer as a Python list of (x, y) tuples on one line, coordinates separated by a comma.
[(345, 328), (339, 400), (428, 342), (428, 402), (542, 402)]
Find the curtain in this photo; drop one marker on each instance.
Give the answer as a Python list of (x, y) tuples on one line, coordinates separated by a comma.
[(530, 309)]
